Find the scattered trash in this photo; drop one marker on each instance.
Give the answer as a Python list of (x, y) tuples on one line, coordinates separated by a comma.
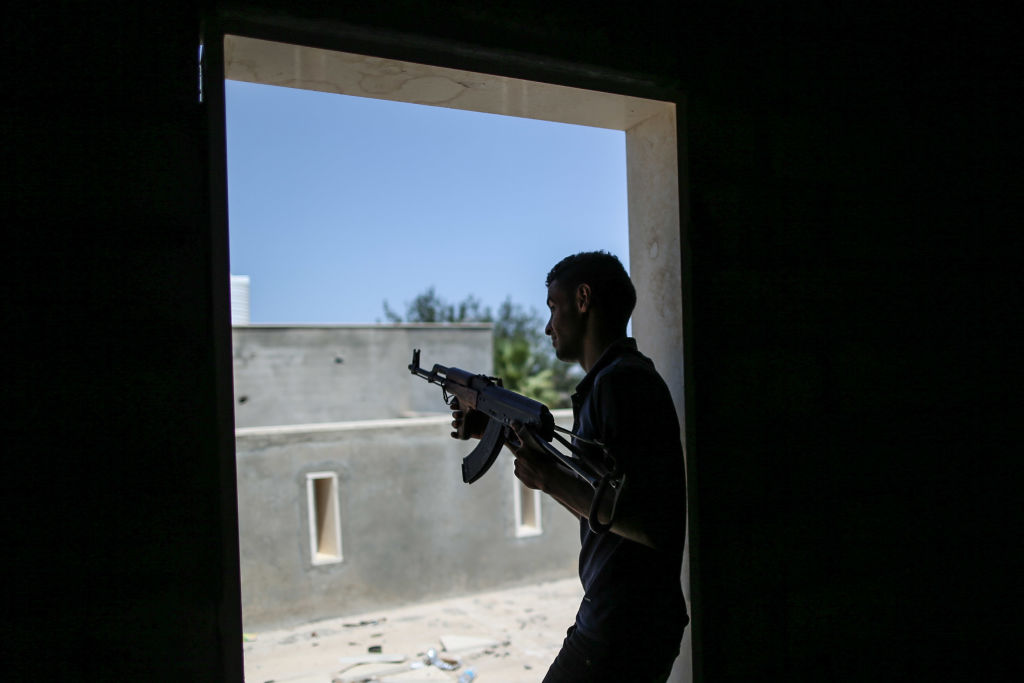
[(467, 676), (372, 658), (371, 670), (248, 637), (442, 663), (375, 649), (366, 622), (425, 675), (456, 643)]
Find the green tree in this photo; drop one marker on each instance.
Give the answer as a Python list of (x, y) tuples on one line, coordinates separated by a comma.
[(428, 307), (523, 357)]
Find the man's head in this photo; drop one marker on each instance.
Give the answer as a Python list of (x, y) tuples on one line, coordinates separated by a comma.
[(589, 290)]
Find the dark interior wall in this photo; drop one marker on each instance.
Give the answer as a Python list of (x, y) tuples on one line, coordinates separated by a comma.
[(125, 567), (849, 174), (850, 184)]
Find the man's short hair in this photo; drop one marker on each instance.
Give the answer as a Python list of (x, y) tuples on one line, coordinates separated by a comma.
[(610, 285)]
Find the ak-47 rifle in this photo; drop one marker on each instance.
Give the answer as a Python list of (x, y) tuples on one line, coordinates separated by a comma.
[(469, 391)]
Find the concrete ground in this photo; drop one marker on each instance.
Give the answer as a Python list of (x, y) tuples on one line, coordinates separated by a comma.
[(507, 636)]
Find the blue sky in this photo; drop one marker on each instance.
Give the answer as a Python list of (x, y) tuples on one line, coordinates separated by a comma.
[(338, 203)]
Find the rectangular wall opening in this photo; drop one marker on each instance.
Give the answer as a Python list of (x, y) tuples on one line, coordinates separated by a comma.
[(324, 517), (527, 510)]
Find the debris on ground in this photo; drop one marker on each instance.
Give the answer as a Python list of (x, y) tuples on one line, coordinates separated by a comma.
[(372, 659), (425, 675), (428, 666), (442, 663), (369, 671), (481, 633), (464, 644), (365, 622)]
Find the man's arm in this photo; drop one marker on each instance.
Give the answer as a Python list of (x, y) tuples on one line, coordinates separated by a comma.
[(540, 471), (537, 470)]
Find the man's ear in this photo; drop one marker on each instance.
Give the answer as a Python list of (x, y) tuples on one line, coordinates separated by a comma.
[(583, 298)]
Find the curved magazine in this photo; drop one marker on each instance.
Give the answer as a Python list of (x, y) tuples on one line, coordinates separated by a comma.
[(476, 464)]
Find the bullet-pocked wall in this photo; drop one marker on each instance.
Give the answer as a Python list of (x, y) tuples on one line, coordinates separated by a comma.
[(408, 529), (350, 491), (308, 374)]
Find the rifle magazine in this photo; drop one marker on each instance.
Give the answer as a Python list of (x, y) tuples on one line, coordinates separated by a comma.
[(476, 464)]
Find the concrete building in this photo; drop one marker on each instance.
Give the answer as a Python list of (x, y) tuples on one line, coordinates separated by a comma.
[(240, 285), (350, 492), (305, 374), (346, 518), (848, 244)]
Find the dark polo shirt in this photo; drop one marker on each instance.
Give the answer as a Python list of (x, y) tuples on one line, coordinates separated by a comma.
[(632, 592)]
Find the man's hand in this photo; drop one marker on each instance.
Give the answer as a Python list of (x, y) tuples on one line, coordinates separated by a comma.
[(534, 467), (538, 470), (468, 423)]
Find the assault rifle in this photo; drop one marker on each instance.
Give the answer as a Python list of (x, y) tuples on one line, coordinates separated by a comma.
[(469, 391)]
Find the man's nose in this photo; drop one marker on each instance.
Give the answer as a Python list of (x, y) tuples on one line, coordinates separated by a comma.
[(547, 328)]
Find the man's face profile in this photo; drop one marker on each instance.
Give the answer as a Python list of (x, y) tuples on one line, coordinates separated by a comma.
[(565, 325)]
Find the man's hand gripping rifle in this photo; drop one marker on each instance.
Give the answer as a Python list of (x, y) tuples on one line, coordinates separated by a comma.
[(467, 391)]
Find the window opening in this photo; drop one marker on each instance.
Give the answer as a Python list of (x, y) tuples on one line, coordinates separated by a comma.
[(527, 510), (324, 517)]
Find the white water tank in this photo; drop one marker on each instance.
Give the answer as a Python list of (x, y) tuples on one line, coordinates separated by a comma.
[(239, 299)]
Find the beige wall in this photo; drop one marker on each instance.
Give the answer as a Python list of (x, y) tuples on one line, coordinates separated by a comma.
[(411, 530), (286, 374)]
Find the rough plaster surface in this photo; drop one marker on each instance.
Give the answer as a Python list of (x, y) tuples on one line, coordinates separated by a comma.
[(411, 529), (287, 375), (261, 61), (655, 264), (654, 246)]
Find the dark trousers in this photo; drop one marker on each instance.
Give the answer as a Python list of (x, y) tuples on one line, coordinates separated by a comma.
[(584, 660)]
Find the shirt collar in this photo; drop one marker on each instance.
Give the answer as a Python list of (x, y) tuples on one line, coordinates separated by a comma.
[(615, 349)]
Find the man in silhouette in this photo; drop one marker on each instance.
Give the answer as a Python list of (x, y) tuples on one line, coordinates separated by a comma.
[(631, 620)]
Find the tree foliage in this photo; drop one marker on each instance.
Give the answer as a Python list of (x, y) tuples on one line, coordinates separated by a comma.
[(523, 356), (429, 307)]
